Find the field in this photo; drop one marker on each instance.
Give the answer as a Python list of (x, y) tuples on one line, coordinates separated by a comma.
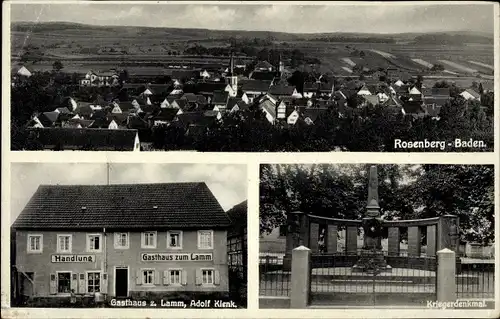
[(81, 48)]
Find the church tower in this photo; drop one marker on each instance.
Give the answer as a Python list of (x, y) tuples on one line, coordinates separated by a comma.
[(279, 69), (231, 78)]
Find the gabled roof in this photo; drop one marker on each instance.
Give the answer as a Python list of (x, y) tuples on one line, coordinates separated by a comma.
[(220, 97), (48, 118), (413, 107), (238, 216), (281, 90), (187, 119), (120, 118), (208, 88), (210, 113), (371, 99), (181, 103), (126, 106), (436, 91), (231, 102), (473, 93), (313, 113), (133, 86), (64, 110), (311, 86), (136, 122), (80, 139), (166, 114), (255, 86), (437, 100), (263, 65), (123, 206), (269, 107), (190, 97), (262, 75), (23, 71)]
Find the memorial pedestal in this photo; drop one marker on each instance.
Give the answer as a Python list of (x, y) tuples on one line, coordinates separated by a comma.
[(371, 262)]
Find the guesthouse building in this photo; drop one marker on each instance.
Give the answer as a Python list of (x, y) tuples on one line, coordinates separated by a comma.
[(125, 241)]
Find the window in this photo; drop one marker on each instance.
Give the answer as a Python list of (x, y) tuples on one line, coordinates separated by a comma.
[(207, 277), (149, 239), (174, 239), (64, 282), (35, 243), (121, 241), (93, 282), (64, 243), (205, 239), (94, 242), (175, 276), (148, 276)]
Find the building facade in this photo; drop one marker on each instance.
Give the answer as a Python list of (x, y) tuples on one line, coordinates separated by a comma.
[(125, 242)]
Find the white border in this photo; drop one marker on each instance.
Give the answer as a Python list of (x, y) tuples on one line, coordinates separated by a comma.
[(252, 159)]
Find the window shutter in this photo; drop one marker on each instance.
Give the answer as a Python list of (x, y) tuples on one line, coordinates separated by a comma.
[(81, 284), (183, 277), (166, 277), (157, 277), (216, 277), (198, 277), (74, 282), (53, 284), (104, 283), (138, 278), (116, 240)]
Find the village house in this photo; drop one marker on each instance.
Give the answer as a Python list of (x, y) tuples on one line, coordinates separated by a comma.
[(124, 241), (254, 88), (471, 95), (284, 91), (106, 78), (58, 139)]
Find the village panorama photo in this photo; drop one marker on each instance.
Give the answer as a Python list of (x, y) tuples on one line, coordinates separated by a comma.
[(397, 77), (165, 236)]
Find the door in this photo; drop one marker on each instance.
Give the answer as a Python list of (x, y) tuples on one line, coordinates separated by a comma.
[(121, 282)]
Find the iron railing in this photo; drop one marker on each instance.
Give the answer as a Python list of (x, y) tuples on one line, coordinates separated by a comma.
[(476, 280), (273, 281), (334, 280)]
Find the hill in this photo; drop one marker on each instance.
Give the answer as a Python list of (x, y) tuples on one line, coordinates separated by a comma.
[(456, 37)]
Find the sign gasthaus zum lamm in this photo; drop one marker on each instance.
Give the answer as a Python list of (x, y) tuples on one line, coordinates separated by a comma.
[(176, 257)]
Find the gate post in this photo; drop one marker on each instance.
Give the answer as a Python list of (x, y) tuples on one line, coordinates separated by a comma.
[(445, 276), (301, 277)]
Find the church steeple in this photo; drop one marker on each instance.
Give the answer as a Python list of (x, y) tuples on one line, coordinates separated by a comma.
[(231, 78), (279, 68), (231, 65)]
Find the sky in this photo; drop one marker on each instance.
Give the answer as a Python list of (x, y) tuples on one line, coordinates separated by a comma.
[(228, 183), (293, 18)]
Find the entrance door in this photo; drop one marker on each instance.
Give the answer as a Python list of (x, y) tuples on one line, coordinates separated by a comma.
[(121, 282)]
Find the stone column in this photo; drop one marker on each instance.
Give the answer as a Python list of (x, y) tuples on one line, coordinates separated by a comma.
[(331, 237), (313, 237), (351, 239), (431, 240), (445, 277), (414, 240), (301, 276), (393, 241), (447, 232)]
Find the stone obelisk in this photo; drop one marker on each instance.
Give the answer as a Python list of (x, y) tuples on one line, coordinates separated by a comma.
[(372, 257)]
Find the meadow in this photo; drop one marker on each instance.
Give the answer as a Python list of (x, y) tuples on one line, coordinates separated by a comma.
[(82, 47)]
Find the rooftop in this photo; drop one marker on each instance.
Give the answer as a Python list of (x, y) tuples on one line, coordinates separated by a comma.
[(123, 206)]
